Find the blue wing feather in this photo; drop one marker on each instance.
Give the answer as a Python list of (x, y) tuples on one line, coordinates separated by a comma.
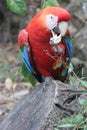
[(26, 59), (69, 46)]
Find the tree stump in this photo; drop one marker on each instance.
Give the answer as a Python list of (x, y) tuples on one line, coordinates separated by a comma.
[(37, 110)]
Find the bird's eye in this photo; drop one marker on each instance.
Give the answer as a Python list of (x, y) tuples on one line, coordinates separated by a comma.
[(51, 17), (51, 21)]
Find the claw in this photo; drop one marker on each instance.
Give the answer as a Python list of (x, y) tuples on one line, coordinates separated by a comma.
[(46, 82)]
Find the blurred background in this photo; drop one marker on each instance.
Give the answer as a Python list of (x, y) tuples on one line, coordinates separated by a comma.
[(12, 84)]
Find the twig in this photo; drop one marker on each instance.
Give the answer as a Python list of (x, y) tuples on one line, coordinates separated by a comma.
[(82, 25)]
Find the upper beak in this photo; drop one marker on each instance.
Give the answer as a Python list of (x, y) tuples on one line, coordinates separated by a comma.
[(56, 30)]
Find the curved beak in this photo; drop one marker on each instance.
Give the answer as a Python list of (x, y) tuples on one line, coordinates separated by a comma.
[(56, 30)]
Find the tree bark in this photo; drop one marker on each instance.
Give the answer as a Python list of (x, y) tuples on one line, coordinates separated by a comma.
[(37, 110)]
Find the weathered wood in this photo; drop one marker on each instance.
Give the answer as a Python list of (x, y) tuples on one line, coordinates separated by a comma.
[(37, 110)]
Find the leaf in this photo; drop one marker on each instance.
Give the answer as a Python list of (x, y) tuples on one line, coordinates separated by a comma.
[(17, 6), (74, 81), (83, 82), (50, 3), (73, 119), (56, 129), (81, 101), (77, 80), (66, 126), (58, 65), (65, 119), (28, 75), (79, 118), (85, 127)]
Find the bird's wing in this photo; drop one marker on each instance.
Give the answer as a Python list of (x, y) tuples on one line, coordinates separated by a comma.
[(26, 59), (68, 42), (29, 63)]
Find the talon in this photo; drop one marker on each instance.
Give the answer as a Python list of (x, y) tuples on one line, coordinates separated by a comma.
[(46, 82)]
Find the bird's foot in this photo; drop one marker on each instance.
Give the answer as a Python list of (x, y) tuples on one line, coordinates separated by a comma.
[(46, 82), (56, 95)]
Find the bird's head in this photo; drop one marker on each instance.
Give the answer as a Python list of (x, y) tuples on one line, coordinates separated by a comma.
[(51, 19), (55, 19)]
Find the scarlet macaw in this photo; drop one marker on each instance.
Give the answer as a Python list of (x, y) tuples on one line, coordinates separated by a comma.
[(47, 44)]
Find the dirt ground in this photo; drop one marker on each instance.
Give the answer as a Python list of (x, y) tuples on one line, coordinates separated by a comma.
[(12, 84)]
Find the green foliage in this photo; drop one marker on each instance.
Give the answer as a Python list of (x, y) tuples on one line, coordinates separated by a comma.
[(75, 81), (56, 129), (28, 75), (76, 121), (58, 65), (17, 6), (83, 103), (46, 3), (83, 82), (66, 126)]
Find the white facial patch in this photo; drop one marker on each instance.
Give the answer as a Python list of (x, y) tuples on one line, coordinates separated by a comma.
[(63, 26), (51, 21)]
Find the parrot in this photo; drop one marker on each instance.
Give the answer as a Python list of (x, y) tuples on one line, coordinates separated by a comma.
[(46, 44)]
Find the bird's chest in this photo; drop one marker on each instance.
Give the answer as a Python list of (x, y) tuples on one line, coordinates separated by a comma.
[(50, 58)]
